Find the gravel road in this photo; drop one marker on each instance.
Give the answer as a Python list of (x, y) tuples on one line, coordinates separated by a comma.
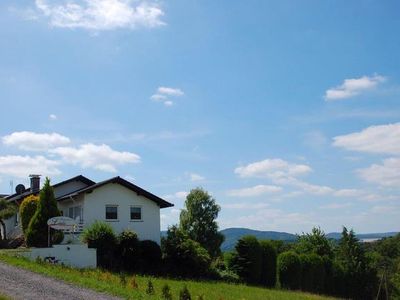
[(21, 284)]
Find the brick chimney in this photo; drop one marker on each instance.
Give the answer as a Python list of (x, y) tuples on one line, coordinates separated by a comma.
[(35, 183)]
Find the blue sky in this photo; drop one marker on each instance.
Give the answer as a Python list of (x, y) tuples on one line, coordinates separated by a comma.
[(287, 112)]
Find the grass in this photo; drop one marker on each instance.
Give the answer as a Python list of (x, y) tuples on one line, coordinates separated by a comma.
[(134, 286), (3, 297)]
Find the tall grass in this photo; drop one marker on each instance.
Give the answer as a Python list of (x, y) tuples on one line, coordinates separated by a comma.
[(131, 286)]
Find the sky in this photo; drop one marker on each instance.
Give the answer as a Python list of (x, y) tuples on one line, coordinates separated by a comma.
[(286, 112)]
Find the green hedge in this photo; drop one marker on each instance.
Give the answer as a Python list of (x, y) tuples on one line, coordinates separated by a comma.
[(289, 270)]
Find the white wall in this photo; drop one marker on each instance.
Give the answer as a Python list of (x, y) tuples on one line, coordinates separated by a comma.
[(79, 256), (115, 194), (10, 226)]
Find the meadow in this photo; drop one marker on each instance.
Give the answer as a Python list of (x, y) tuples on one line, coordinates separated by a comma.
[(129, 286)]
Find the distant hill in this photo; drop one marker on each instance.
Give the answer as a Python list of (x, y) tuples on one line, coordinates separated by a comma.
[(233, 234)]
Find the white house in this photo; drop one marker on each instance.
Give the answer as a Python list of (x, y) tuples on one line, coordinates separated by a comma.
[(116, 201)]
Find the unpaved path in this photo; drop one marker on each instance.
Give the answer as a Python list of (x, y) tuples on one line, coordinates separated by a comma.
[(22, 284)]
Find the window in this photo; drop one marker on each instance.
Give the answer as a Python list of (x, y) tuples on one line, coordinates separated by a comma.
[(111, 212), (136, 213), (75, 212)]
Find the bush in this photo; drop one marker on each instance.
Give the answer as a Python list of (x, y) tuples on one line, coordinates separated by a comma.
[(289, 270), (184, 255), (150, 253), (27, 209), (101, 236), (150, 288), (184, 294), (268, 265), (312, 273), (36, 235), (247, 258), (166, 292), (128, 249)]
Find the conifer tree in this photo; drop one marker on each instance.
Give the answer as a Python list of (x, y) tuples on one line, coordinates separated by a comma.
[(37, 233)]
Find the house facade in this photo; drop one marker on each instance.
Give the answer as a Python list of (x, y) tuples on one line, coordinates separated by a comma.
[(116, 201)]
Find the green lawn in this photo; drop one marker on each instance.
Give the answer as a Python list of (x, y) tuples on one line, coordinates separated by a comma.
[(135, 287)]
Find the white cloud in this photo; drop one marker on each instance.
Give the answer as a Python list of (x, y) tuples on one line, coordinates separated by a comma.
[(272, 169), (163, 93), (31, 141), (181, 195), (52, 117), (195, 177), (254, 191), (336, 205), (348, 193), (353, 87), (383, 139), (99, 157), (22, 166), (245, 205), (101, 14), (158, 97), (170, 91), (386, 174)]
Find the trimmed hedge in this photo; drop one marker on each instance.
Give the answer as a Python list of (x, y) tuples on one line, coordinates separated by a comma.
[(312, 273), (150, 253), (247, 259), (100, 235), (27, 209), (128, 249), (289, 270), (268, 265)]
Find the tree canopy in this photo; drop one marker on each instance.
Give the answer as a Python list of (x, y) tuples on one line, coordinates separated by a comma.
[(198, 221)]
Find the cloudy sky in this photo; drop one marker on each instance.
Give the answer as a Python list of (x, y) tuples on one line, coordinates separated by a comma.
[(287, 112)]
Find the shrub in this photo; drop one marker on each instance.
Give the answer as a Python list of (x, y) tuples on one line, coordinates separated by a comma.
[(268, 265), (27, 209), (150, 253), (101, 236), (184, 294), (312, 273), (150, 288), (247, 258), (128, 249), (185, 255), (36, 235), (289, 270), (166, 292)]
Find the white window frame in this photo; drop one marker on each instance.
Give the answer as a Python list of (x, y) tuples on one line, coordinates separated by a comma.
[(105, 213), (141, 213)]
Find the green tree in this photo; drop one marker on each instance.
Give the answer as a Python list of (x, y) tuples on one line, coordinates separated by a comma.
[(315, 242), (360, 277), (312, 272), (7, 210), (246, 261), (184, 255), (198, 221), (27, 209), (37, 233)]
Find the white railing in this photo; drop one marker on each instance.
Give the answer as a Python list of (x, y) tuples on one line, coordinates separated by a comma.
[(76, 229)]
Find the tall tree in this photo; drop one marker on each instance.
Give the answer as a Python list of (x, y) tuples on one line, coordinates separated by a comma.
[(315, 242), (36, 234), (361, 278), (7, 210), (198, 221)]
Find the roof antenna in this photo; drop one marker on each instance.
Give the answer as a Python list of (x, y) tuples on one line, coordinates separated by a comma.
[(11, 187)]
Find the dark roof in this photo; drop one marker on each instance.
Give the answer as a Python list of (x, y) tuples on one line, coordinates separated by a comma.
[(76, 178), (27, 192), (118, 180)]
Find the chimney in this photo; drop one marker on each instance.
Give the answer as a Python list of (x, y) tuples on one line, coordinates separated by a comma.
[(35, 183)]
